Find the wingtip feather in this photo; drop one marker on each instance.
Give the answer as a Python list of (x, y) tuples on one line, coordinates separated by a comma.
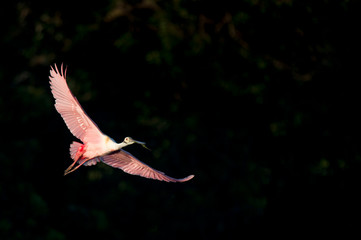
[(186, 178)]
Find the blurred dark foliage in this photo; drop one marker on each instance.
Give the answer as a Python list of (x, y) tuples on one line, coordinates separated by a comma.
[(259, 99)]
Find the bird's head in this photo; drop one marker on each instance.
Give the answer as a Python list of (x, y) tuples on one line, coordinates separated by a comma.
[(128, 141)]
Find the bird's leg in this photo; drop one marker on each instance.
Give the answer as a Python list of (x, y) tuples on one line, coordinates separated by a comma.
[(69, 170), (79, 154), (70, 167)]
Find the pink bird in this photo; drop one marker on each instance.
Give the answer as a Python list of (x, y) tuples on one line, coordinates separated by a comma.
[(96, 146)]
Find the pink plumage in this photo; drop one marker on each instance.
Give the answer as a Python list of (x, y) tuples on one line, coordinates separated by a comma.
[(129, 164), (79, 124), (96, 146)]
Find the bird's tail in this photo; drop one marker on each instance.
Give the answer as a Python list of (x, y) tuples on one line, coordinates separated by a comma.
[(74, 148)]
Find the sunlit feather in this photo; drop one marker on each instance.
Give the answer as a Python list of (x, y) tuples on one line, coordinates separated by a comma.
[(96, 146)]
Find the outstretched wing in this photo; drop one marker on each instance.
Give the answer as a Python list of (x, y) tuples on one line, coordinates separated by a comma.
[(79, 124), (129, 164)]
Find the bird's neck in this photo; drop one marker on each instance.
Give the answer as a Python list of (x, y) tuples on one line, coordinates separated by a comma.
[(121, 145)]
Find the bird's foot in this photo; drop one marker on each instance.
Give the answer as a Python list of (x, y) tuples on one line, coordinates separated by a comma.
[(70, 169)]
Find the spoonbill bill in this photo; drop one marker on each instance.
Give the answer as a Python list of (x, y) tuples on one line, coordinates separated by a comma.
[(96, 146)]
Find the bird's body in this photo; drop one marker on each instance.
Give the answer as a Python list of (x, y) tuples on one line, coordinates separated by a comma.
[(103, 147), (96, 146)]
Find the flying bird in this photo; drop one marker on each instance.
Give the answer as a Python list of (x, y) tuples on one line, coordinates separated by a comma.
[(96, 146)]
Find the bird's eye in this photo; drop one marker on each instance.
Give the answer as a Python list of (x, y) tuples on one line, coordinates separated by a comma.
[(126, 139)]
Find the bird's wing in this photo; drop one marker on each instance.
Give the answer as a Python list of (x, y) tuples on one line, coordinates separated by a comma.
[(129, 164), (78, 122)]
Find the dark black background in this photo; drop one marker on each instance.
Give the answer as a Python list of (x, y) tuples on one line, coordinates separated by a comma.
[(259, 99)]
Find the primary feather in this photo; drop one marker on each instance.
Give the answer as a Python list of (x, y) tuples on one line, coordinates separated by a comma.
[(78, 122), (129, 164)]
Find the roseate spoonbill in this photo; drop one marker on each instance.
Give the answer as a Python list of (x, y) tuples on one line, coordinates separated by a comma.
[(96, 146)]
